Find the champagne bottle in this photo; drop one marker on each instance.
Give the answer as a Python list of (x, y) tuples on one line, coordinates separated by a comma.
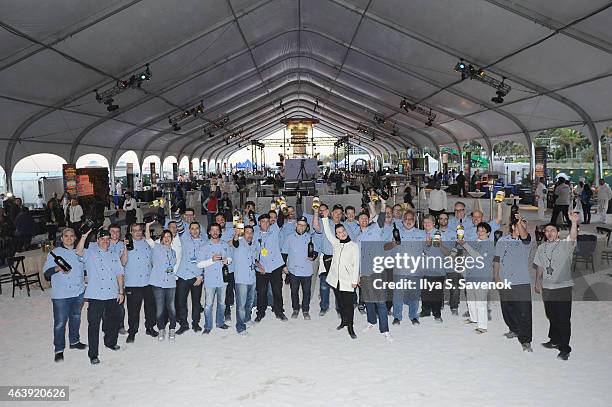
[(251, 216), (396, 234), (437, 238), (460, 230), (59, 260), (226, 273), (130, 245), (310, 249)]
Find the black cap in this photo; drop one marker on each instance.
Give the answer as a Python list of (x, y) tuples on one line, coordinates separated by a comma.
[(103, 233), (263, 216), (302, 219), (338, 206)]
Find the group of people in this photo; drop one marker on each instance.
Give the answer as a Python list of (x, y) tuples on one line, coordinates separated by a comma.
[(241, 262)]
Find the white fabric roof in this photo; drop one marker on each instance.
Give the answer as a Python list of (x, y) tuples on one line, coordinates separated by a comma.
[(355, 58)]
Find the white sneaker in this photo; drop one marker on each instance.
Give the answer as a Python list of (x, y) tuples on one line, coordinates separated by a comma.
[(250, 324), (368, 328), (171, 335), (388, 336), (162, 335)]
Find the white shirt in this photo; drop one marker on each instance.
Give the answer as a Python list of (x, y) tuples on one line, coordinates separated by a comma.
[(119, 188), (40, 203), (541, 191), (604, 193), (129, 204), (437, 200), (75, 213)]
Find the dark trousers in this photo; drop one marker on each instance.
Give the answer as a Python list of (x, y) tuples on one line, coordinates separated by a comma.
[(586, 212), (130, 217), (433, 298), (516, 310), (135, 297), (183, 289), (229, 293), (347, 311), (558, 308), (557, 209), (106, 311), (295, 284), (454, 292), (275, 278)]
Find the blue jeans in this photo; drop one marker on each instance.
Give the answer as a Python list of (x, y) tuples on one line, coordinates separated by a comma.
[(210, 294), (66, 310), (324, 289), (409, 297), (378, 310), (164, 301), (245, 296)]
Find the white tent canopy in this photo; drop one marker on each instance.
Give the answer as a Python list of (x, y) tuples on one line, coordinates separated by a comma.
[(341, 61)]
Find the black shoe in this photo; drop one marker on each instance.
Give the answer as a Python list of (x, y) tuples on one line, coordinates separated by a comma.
[(396, 321), (550, 345), (94, 361), (59, 357), (152, 332), (438, 319), (78, 345), (196, 328), (224, 326), (415, 321), (281, 316), (182, 330), (563, 355), (295, 314), (258, 318), (339, 327), (114, 347), (361, 309), (206, 331), (130, 338), (351, 331), (424, 314)]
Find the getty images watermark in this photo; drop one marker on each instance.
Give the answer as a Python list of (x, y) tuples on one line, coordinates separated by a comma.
[(403, 263)]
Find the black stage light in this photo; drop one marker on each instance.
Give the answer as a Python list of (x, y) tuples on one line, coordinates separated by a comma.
[(176, 127), (499, 98)]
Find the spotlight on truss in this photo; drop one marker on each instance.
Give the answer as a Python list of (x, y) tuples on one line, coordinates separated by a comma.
[(411, 107), (134, 81), (185, 116), (472, 72)]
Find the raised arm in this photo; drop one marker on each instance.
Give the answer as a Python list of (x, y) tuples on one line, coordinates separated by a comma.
[(148, 234), (331, 236), (80, 248), (500, 214), (573, 235)]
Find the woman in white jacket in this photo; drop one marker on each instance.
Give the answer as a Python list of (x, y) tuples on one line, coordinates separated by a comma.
[(344, 271)]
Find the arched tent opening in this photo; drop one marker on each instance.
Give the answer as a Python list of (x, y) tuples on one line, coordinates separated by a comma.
[(92, 160), (569, 151), (196, 165), (167, 166), (146, 168), (184, 165), (129, 157), (2, 181), (30, 169)]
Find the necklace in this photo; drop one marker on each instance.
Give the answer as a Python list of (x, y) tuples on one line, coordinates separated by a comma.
[(549, 268)]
